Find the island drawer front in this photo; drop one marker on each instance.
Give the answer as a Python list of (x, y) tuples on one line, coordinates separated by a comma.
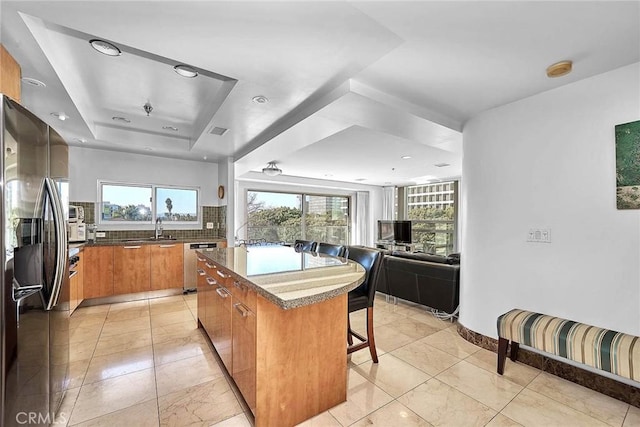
[(242, 293)]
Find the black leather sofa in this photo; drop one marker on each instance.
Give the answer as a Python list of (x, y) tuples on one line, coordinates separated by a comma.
[(427, 279)]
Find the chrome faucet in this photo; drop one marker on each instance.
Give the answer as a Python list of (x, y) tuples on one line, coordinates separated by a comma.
[(158, 228)]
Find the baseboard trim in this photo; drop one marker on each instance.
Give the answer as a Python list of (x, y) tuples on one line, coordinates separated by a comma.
[(605, 385)]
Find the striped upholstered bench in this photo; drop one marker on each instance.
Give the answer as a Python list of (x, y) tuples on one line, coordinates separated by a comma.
[(600, 348)]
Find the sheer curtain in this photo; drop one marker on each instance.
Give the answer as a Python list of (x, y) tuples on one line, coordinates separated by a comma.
[(388, 202), (362, 235)]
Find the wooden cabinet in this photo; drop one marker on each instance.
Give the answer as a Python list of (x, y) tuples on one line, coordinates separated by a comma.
[(244, 343), (167, 266), (98, 271), (219, 321), (76, 286), (303, 348), (131, 269), (10, 75), (201, 286)]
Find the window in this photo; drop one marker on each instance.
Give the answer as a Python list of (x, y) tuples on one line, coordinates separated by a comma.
[(130, 204), (433, 217), (285, 217)]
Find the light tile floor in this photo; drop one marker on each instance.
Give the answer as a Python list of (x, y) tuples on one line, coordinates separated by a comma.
[(145, 363)]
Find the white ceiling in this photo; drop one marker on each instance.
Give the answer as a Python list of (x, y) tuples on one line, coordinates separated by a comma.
[(352, 86)]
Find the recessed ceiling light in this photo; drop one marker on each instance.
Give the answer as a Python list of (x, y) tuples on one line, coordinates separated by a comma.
[(60, 116), (204, 157), (148, 148), (80, 140), (173, 128), (559, 69), (387, 182), (105, 47), (120, 119), (441, 165), (360, 179), (186, 71), (33, 82), (327, 174), (405, 157), (260, 99)]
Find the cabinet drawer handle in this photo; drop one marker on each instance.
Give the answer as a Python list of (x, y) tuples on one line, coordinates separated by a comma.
[(201, 259), (244, 311), (211, 281), (167, 246), (210, 265), (238, 285), (221, 274), (222, 292), (132, 247), (201, 272)]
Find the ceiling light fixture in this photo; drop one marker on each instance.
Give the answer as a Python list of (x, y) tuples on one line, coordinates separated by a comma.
[(271, 169), (60, 116), (260, 99), (405, 157), (185, 71), (172, 128), (105, 47), (147, 108), (559, 69), (33, 82), (80, 140), (360, 179), (441, 165)]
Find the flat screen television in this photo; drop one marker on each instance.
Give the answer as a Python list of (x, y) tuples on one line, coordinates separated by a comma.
[(394, 231)]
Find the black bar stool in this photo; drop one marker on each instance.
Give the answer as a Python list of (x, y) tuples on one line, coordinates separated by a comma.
[(363, 296)]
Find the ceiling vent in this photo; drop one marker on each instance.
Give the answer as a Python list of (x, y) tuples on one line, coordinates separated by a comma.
[(218, 131)]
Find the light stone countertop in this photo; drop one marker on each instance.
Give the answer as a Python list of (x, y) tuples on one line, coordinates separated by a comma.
[(287, 278)]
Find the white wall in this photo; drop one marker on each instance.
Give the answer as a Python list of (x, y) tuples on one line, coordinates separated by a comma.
[(87, 166), (256, 181), (549, 161)]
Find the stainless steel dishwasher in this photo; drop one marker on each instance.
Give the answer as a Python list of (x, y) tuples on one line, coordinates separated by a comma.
[(190, 262)]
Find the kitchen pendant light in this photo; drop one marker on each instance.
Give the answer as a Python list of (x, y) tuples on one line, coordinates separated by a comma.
[(271, 169)]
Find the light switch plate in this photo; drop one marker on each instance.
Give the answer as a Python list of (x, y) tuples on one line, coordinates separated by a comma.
[(209, 226)]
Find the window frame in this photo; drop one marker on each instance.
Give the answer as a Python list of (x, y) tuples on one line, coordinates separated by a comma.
[(147, 225), (304, 208)]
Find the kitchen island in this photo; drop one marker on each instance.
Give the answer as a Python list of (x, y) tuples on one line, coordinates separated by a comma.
[(278, 320)]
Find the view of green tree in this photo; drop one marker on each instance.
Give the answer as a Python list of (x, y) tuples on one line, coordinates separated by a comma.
[(431, 213), (169, 204), (326, 221), (130, 213), (432, 228)]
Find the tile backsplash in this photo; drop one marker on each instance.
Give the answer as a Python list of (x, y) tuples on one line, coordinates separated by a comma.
[(215, 214)]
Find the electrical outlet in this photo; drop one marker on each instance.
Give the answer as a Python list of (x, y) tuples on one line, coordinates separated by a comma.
[(101, 234), (209, 226)]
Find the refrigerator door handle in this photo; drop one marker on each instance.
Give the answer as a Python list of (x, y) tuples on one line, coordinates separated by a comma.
[(21, 292), (61, 241)]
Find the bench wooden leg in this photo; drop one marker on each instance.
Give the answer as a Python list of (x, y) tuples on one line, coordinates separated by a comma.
[(503, 343), (514, 351)]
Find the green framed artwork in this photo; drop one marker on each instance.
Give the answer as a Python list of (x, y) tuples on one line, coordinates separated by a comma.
[(628, 165)]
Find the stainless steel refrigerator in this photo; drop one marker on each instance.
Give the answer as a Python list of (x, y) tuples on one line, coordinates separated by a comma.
[(34, 302)]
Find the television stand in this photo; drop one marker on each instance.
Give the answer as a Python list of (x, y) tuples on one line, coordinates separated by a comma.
[(394, 246)]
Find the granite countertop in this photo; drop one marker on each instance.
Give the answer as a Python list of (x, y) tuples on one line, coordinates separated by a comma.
[(287, 278), (142, 241)]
